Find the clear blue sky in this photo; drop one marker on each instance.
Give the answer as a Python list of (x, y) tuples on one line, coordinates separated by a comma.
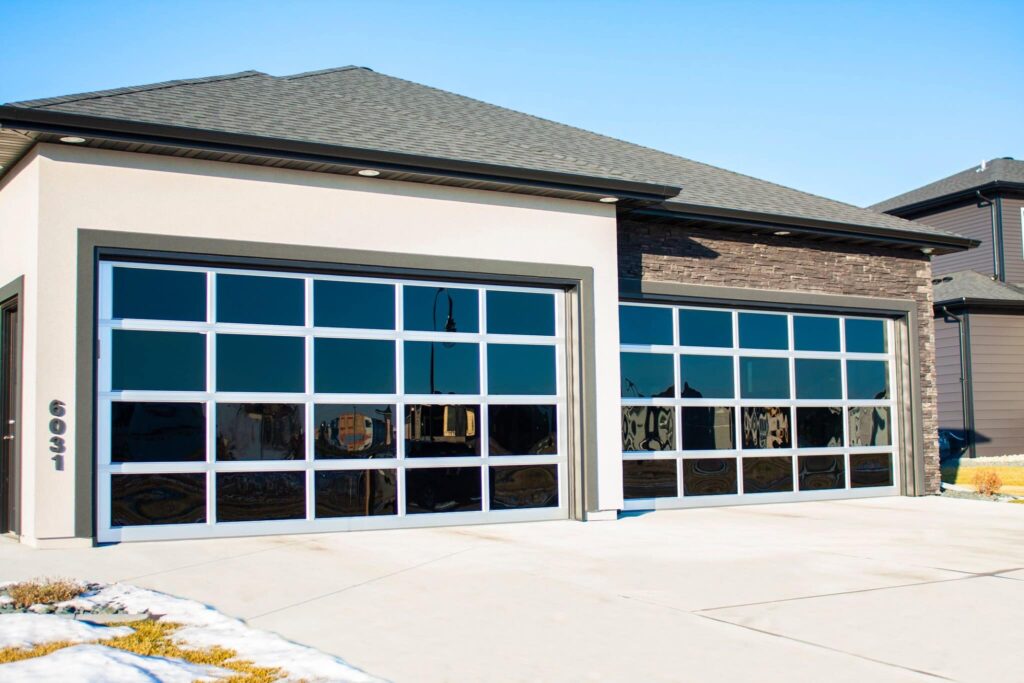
[(852, 100)]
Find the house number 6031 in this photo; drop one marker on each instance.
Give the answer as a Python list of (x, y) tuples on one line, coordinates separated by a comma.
[(57, 429)]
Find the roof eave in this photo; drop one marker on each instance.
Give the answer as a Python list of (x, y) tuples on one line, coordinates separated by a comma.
[(941, 244), (957, 197), (63, 123), (974, 302)]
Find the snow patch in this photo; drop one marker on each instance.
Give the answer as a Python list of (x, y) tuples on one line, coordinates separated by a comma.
[(101, 664), (25, 629)]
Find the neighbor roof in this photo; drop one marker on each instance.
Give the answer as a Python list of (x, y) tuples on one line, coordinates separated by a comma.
[(354, 107), (992, 173), (968, 285)]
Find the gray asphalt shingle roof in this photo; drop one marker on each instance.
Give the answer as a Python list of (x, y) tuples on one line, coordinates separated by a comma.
[(997, 170), (357, 107), (968, 284)]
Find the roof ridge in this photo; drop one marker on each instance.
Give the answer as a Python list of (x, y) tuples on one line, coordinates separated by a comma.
[(321, 72), (113, 92)]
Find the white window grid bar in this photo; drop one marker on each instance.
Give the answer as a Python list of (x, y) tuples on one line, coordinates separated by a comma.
[(792, 403), (310, 465)]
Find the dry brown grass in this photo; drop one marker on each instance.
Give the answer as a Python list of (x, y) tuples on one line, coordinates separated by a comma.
[(987, 481), (43, 592), (153, 639)]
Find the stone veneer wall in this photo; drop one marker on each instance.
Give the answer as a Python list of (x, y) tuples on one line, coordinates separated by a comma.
[(652, 250)]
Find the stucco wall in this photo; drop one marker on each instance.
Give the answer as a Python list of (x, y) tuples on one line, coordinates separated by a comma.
[(652, 250), (100, 190)]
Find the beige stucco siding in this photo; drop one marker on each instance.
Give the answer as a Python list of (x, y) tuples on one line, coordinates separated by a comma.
[(113, 191)]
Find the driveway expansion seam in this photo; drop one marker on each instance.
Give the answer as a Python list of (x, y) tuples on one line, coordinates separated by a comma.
[(213, 561), (356, 585), (791, 638)]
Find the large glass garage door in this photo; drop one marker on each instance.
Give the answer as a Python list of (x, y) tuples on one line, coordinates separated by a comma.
[(742, 406), (249, 401)]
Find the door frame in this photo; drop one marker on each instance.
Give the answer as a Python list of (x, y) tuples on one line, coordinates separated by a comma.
[(11, 297)]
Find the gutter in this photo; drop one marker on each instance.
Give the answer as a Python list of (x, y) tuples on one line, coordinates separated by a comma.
[(927, 205), (749, 219), (96, 127), (966, 380)]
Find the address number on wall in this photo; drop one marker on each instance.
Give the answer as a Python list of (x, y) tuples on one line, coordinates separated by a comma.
[(58, 427)]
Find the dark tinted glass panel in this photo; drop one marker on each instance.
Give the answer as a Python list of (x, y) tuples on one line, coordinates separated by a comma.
[(870, 426), (645, 375), (867, 379), (159, 294), (648, 428), (818, 472), (260, 300), (767, 475), (169, 361), (709, 476), (649, 479), (519, 369), (865, 336), (261, 431), (870, 469), (137, 499), (435, 431), (260, 363), (353, 304), (522, 430), (816, 378), (438, 368), (819, 427), (354, 431), (645, 325), (157, 432), (251, 496), (767, 427), (708, 428), (356, 493), (448, 489), (527, 486), (354, 366), (763, 331), (764, 378), (815, 334), (520, 313), (706, 376), (441, 309), (705, 328)]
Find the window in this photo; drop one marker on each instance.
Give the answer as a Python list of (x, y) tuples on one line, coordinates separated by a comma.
[(229, 398), (753, 404)]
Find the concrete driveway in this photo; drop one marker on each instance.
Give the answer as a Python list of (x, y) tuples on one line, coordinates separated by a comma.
[(894, 589)]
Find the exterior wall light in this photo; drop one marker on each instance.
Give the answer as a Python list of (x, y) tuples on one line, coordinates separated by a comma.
[(927, 250)]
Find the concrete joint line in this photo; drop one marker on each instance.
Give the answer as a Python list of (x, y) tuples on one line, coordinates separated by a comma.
[(206, 562)]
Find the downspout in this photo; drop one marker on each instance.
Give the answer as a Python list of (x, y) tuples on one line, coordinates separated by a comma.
[(997, 238), (999, 230), (966, 382)]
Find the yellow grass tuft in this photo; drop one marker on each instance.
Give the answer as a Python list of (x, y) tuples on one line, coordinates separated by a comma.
[(987, 481), (43, 591), (16, 654)]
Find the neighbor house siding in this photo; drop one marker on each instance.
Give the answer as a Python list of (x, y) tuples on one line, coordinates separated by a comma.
[(671, 253), (947, 374), (997, 371), (970, 221), (1013, 240)]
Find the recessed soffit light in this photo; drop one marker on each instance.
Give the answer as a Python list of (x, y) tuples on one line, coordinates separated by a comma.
[(781, 233), (368, 173), (72, 139), (608, 200)]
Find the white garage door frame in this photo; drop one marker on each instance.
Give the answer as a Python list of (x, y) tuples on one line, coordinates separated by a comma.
[(105, 396)]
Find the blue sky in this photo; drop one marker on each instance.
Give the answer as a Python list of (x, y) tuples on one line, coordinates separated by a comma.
[(853, 100)]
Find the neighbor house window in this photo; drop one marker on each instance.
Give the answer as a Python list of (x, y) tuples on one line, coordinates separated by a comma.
[(744, 403)]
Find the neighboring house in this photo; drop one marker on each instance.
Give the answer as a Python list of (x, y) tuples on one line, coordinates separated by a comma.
[(979, 305), (250, 304)]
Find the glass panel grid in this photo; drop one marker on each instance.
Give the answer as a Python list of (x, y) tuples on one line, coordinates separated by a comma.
[(886, 406), (308, 397)]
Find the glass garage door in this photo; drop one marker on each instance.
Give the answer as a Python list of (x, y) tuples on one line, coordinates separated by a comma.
[(236, 402), (742, 406)]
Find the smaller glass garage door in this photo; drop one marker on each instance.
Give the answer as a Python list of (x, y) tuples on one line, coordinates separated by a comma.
[(250, 401), (742, 406)]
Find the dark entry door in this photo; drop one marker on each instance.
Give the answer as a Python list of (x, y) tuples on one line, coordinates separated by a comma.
[(9, 393)]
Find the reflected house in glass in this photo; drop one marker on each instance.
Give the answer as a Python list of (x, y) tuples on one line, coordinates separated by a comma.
[(327, 321)]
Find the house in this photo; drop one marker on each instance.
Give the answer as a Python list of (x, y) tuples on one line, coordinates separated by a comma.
[(208, 282), (979, 304)]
